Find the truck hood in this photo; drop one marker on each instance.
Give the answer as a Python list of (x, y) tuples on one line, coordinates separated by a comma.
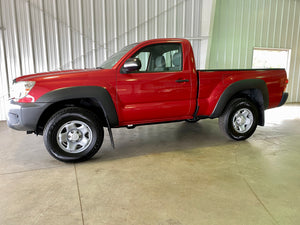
[(53, 74), (50, 81)]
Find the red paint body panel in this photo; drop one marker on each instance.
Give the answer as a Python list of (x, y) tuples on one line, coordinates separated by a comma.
[(213, 84), (141, 98), (51, 81), (156, 97)]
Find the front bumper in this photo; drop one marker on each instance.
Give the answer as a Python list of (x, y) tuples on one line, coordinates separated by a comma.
[(24, 116)]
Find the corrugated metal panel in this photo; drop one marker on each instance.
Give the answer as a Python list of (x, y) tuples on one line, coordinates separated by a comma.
[(242, 25), (45, 35), (3, 70)]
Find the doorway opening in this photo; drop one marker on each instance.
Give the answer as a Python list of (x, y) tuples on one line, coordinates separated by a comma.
[(271, 58)]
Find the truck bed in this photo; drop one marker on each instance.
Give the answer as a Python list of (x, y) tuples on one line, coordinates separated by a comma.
[(212, 84)]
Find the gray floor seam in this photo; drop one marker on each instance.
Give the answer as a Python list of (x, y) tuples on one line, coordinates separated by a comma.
[(79, 195), (33, 170), (252, 191), (260, 201)]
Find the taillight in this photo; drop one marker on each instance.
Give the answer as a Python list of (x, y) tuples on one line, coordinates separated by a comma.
[(285, 83)]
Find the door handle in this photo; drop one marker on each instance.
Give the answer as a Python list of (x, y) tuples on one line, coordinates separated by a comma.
[(182, 81)]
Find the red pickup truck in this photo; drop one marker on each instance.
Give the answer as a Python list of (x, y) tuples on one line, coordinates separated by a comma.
[(149, 82)]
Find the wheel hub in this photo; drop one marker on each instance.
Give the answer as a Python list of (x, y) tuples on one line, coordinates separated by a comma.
[(242, 120), (74, 135)]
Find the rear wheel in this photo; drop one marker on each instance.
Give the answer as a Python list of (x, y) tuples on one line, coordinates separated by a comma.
[(73, 134), (239, 120)]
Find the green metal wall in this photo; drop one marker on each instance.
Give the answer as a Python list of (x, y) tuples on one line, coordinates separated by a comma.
[(241, 25)]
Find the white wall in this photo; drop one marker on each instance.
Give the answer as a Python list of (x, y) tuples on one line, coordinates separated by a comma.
[(45, 35)]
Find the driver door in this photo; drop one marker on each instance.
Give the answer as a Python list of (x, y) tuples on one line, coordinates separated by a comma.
[(159, 91)]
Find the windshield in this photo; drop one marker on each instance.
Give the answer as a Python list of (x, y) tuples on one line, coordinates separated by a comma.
[(112, 60)]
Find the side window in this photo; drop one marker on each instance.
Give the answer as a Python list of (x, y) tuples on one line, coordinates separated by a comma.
[(173, 60), (144, 58), (160, 58)]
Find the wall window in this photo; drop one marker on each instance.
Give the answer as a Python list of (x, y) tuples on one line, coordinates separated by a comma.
[(271, 58)]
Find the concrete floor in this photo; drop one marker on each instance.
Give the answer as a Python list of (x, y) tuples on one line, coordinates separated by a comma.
[(170, 174)]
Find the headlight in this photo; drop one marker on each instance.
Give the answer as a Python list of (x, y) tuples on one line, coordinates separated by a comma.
[(21, 89)]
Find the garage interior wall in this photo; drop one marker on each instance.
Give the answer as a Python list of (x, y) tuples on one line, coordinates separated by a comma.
[(46, 35), (239, 26)]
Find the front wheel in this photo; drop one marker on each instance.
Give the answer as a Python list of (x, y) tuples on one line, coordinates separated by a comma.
[(73, 134), (239, 120)]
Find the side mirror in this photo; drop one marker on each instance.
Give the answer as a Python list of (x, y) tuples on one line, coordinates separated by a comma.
[(131, 65)]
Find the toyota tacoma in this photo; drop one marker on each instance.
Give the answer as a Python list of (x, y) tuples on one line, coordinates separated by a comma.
[(154, 81)]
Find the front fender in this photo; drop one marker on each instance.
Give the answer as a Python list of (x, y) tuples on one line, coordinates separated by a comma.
[(100, 94)]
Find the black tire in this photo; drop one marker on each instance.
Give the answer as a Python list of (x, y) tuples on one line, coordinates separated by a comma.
[(239, 120), (73, 135)]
